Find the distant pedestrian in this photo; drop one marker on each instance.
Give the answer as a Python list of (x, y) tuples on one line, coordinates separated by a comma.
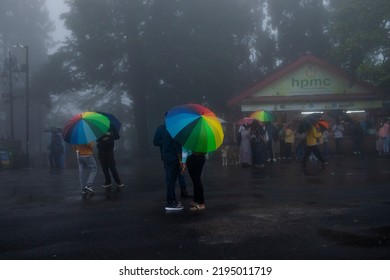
[(87, 167), (56, 151), (106, 155), (338, 133), (194, 162), (245, 152), (383, 136), (312, 137), (282, 145), (300, 143), (259, 140), (357, 135), (325, 143), (170, 152), (289, 137), (272, 135)]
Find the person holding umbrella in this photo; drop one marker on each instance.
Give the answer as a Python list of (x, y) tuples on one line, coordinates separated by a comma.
[(81, 131), (312, 138), (199, 131), (105, 146), (87, 167)]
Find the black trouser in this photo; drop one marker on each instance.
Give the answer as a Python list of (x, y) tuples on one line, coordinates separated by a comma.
[(107, 161), (312, 149), (195, 163)]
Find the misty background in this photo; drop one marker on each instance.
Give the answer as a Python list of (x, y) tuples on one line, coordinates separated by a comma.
[(138, 58)]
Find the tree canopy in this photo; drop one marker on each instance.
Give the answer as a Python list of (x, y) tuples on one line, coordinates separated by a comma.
[(163, 53)]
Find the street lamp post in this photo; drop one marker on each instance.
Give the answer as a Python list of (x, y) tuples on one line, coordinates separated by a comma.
[(26, 70), (9, 66)]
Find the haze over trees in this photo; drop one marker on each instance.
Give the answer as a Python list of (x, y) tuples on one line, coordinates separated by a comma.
[(138, 58)]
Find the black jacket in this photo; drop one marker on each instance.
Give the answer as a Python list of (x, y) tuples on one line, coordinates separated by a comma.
[(107, 141), (169, 148)]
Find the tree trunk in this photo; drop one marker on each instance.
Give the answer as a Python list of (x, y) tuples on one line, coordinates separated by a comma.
[(137, 83), (140, 121)]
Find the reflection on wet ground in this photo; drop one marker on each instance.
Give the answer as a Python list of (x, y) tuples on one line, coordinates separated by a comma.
[(274, 212)]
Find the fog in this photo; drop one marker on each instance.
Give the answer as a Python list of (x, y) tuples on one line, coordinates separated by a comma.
[(139, 58), (56, 8)]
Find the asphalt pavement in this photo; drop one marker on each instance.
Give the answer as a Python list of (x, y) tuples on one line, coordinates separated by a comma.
[(275, 213)]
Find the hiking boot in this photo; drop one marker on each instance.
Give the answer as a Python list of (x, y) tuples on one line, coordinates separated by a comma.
[(174, 206)]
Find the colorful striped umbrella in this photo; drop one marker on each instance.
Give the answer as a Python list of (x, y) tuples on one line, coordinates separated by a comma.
[(195, 127), (262, 116), (85, 127), (245, 120), (113, 120)]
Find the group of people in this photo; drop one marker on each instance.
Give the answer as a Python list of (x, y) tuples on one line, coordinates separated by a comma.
[(256, 147), (177, 160), (88, 167), (256, 141)]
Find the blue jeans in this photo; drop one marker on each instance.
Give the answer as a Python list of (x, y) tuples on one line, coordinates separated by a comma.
[(87, 170), (172, 170)]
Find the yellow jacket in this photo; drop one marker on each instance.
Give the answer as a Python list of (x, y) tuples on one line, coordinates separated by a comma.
[(84, 150), (289, 136), (312, 135)]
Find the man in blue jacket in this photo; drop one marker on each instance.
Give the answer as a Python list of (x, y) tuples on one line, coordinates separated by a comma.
[(170, 152)]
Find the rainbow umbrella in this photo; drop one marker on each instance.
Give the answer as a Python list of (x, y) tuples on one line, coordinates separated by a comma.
[(195, 127), (85, 127), (262, 116), (245, 120), (113, 120)]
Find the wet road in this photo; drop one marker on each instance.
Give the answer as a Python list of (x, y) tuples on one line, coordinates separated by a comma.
[(275, 213)]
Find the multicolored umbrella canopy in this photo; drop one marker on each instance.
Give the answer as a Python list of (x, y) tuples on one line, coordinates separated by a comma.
[(195, 127), (262, 116), (113, 120), (245, 120), (85, 127), (323, 123)]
